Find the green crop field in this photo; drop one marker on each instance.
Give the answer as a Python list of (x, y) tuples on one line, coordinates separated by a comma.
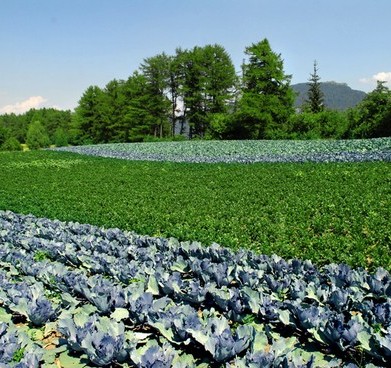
[(326, 212)]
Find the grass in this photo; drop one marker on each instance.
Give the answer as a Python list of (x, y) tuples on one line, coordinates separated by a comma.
[(334, 212)]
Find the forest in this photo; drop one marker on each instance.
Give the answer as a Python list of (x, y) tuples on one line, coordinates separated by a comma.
[(198, 94)]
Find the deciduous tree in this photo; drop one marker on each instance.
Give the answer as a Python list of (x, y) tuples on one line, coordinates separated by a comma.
[(60, 137), (37, 136), (11, 144), (372, 117)]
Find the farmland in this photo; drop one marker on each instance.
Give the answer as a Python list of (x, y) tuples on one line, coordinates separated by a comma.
[(101, 296), (272, 151), (288, 209)]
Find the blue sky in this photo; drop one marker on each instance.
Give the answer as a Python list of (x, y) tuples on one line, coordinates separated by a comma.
[(53, 50)]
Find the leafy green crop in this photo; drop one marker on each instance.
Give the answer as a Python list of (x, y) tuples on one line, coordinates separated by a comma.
[(326, 212), (192, 306), (18, 355), (41, 256)]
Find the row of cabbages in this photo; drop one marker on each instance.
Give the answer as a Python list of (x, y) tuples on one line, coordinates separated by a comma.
[(117, 297), (360, 150)]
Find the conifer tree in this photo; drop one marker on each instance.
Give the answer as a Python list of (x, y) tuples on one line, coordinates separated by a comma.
[(267, 97), (315, 95)]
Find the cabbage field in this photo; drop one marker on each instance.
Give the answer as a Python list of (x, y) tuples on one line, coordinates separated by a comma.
[(283, 261), (378, 149), (74, 295)]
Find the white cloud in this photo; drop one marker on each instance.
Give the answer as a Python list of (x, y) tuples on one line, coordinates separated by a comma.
[(21, 107), (381, 76)]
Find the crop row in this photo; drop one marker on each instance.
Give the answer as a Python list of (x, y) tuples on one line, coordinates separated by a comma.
[(117, 297), (329, 213), (378, 149)]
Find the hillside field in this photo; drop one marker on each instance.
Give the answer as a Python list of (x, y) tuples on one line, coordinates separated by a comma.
[(300, 278), (325, 212)]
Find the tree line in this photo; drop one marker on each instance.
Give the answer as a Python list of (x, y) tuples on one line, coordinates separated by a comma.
[(37, 128), (198, 94)]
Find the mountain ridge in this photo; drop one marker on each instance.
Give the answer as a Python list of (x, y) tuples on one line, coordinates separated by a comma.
[(337, 96)]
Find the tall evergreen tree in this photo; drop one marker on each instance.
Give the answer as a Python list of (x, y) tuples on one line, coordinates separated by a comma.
[(191, 91), (156, 71), (116, 103), (220, 78), (174, 81), (139, 112), (206, 84), (315, 95), (267, 97), (93, 116)]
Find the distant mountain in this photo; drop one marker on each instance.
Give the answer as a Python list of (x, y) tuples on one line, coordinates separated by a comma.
[(337, 96)]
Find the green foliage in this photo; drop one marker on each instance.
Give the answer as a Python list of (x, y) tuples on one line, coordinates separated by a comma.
[(115, 101), (76, 135), (37, 136), (92, 116), (220, 126), (11, 144), (146, 104), (51, 119), (372, 117), (151, 138), (16, 126), (3, 133), (124, 111), (140, 112), (60, 137), (41, 255), (323, 212), (156, 70), (207, 81), (18, 355), (325, 124), (267, 98), (315, 95), (198, 87), (332, 124)]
